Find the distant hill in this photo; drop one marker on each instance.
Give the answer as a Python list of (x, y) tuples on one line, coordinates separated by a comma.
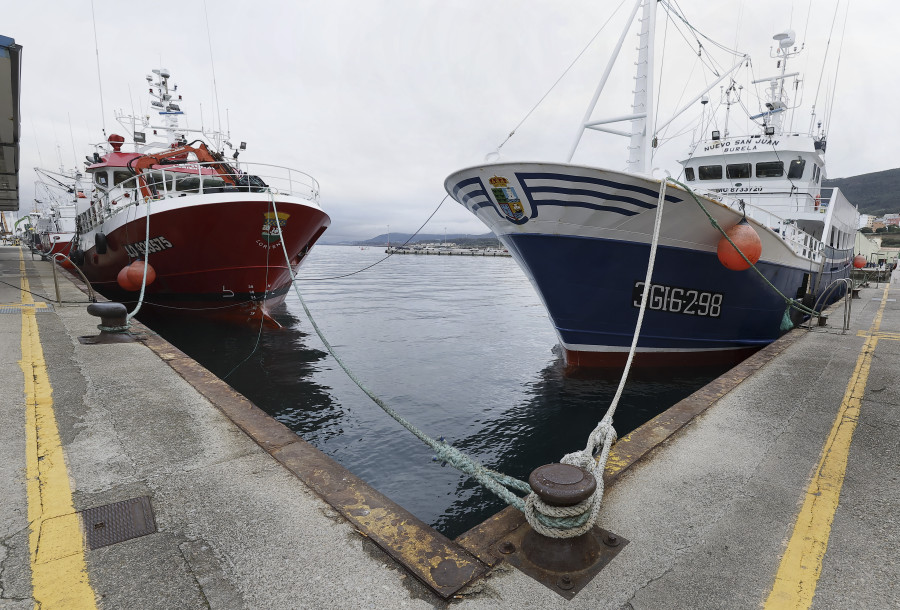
[(875, 194)]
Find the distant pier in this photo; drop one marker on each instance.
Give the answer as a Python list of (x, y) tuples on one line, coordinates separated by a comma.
[(446, 251)]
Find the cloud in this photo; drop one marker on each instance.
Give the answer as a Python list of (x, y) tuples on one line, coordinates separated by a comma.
[(380, 101)]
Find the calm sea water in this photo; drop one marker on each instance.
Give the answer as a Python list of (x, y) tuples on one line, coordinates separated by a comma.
[(461, 346)]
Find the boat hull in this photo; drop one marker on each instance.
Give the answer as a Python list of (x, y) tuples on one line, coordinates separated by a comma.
[(221, 258), (582, 236)]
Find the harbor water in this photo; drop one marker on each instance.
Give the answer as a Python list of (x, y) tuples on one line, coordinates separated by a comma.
[(460, 346)]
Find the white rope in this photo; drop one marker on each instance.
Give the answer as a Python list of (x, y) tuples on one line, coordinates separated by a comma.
[(550, 521), (604, 435), (146, 264)]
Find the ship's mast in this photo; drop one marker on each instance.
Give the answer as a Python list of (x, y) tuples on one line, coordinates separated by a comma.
[(169, 110), (776, 97), (644, 128), (640, 151)]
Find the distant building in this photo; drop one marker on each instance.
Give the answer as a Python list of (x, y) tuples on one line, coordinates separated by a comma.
[(892, 221)]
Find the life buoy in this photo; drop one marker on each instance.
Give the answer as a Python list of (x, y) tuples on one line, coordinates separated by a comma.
[(818, 201)]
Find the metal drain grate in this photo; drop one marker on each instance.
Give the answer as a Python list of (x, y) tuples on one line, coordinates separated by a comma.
[(19, 307), (114, 523)]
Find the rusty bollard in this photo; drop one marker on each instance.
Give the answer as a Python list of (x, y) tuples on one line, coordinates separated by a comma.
[(564, 565), (113, 324), (562, 485)]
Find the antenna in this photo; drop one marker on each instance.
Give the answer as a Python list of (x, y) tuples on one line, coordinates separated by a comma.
[(72, 136), (99, 81), (212, 64)]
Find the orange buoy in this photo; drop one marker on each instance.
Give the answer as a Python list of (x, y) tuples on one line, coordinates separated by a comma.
[(125, 282), (859, 261), (66, 263), (136, 273), (745, 238)]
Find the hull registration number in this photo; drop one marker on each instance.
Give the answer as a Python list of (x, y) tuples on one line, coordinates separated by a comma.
[(685, 301)]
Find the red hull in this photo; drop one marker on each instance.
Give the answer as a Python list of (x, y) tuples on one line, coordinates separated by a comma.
[(581, 361), (214, 259)]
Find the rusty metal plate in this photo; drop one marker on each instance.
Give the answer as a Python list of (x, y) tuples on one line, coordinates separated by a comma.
[(113, 523), (104, 338), (566, 582), (441, 564)]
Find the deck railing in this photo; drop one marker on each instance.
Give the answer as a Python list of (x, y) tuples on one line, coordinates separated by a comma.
[(192, 178)]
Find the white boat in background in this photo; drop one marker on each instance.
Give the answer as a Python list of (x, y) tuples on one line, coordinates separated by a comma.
[(56, 193), (582, 234)]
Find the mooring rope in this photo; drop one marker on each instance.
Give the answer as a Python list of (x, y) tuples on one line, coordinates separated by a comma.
[(495, 481), (550, 521), (146, 264), (791, 303), (604, 435)]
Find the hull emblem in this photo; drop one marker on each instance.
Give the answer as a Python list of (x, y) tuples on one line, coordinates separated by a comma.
[(507, 199)]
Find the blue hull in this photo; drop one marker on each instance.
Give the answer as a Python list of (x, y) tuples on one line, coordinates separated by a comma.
[(698, 309), (582, 235)]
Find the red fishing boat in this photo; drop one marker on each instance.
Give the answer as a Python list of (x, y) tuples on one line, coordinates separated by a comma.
[(222, 237)]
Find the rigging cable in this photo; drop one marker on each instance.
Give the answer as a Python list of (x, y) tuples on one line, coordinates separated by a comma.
[(99, 81), (212, 64), (337, 277), (561, 76), (824, 62), (837, 68)]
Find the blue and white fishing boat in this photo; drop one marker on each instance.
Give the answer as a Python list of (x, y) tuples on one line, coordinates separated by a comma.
[(582, 234)]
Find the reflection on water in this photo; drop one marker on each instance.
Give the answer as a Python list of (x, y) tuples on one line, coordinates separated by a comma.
[(460, 346)]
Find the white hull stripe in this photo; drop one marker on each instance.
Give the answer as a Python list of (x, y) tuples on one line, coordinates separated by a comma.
[(542, 189), (477, 197)]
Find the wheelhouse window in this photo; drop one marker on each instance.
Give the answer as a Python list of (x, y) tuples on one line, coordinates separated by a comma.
[(770, 169), (188, 184), (120, 177), (101, 179), (795, 171), (158, 182), (710, 172), (689, 174), (737, 170)]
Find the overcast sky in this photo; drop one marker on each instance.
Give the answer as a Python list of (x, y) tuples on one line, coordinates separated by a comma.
[(380, 100)]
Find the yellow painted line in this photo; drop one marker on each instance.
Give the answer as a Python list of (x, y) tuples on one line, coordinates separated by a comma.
[(801, 565), (879, 335), (58, 570)]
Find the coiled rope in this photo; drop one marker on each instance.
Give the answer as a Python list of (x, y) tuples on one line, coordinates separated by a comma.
[(550, 521)]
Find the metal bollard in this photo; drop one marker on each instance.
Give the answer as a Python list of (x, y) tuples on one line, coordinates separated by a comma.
[(564, 565), (113, 324)]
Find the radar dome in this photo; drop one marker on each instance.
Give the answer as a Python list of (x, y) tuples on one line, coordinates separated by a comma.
[(785, 39)]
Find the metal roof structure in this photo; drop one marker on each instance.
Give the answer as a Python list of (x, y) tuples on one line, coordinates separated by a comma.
[(10, 121)]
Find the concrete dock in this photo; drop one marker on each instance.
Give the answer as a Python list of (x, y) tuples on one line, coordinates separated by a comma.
[(773, 486)]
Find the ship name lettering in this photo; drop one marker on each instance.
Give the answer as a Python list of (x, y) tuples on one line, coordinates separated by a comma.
[(741, 144)]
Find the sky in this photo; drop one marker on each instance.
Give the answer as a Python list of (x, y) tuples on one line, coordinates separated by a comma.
[(380, 100)]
